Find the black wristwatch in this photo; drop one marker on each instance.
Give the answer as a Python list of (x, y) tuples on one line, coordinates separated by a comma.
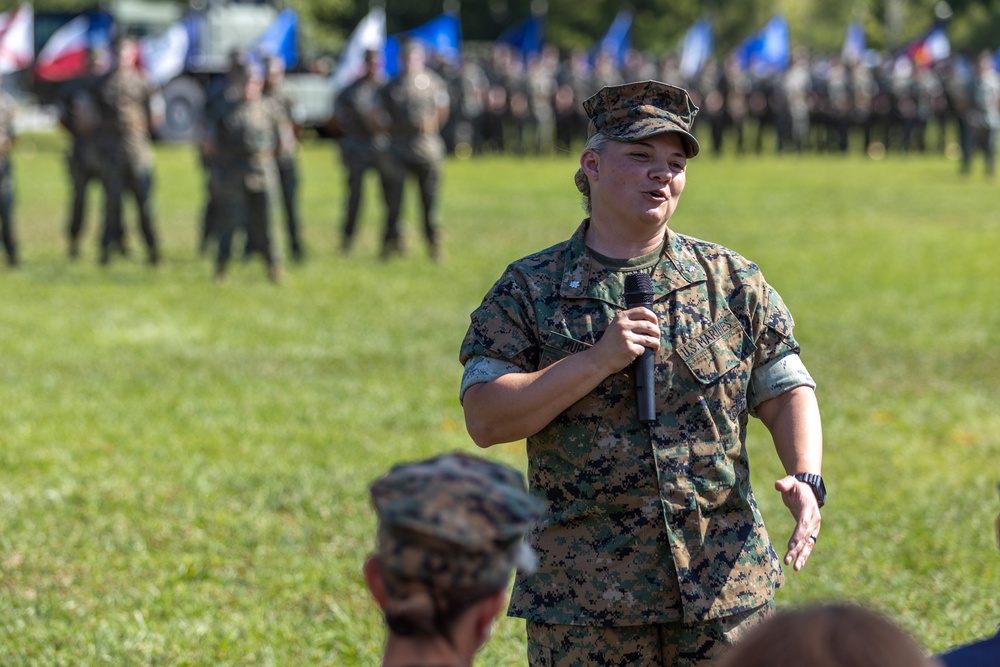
[(815, 482)]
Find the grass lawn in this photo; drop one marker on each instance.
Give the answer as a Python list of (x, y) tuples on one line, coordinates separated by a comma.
[(184, 465)]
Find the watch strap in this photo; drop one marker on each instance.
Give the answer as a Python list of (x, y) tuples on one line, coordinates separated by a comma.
[(815, 482)]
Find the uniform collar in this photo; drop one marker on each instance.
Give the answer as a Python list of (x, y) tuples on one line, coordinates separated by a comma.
[(586, 278)]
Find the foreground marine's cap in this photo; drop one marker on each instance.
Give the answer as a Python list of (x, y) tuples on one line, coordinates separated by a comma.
[(633, 111), (454, 522)]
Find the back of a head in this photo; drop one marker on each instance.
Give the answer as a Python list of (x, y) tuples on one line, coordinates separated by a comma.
[(831, 635), (450, 533)]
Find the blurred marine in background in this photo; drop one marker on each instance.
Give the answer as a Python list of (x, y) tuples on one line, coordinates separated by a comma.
[(131, 107), (418, 104), (7, 178), (361, 125)]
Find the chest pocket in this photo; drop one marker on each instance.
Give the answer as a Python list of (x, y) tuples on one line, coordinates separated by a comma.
[(574, 434), (717, 350)]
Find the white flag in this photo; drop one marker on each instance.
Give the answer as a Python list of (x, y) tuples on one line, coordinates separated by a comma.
[(162, 56), (17, 41), (370, 34)]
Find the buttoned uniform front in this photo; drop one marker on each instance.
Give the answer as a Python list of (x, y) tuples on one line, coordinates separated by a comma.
[(653, 525)]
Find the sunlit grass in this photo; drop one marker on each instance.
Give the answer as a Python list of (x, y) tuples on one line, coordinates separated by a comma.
[(185, 465)]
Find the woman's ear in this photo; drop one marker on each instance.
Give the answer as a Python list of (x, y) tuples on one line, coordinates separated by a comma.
[(373, 579), (589, 162), (489, 609)]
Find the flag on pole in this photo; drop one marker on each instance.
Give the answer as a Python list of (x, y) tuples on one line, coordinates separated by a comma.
[(697, 48), (930, 48), (17, 41), (64, 55), (441, 36), (768, 51), (854, 43), (281, 39), (369, 34), (163, 56), (618, 39), (527, 36)]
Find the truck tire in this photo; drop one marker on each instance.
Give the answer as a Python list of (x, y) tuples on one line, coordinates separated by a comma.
[(183, 101)]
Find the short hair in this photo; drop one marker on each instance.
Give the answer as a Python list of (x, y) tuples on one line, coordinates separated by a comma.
[(597, 143), (827, 635)]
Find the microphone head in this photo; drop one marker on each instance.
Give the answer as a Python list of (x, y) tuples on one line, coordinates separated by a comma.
[(638, 290)]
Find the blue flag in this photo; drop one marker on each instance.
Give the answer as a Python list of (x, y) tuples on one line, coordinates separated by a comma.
[(441, 36), (854, 43), (281, 38), (618, 39), (768, 51), (527, 36), (697, 48)]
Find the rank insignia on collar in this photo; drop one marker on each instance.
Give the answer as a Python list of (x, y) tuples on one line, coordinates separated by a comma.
[(574, 284)]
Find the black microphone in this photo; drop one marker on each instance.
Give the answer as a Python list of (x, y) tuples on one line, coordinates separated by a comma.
[(639, 292)]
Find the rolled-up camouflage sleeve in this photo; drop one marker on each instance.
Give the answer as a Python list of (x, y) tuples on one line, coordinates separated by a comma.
[(501, 338), (773, 329), (484, 369), (777, 365), (775, 378)]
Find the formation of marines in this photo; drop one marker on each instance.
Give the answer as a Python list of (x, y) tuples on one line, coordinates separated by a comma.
[(502, 102), (395, 127), (493, 101), (247, 145), (110, 114)]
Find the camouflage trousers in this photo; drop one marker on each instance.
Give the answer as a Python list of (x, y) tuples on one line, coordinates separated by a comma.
[(661, 645)]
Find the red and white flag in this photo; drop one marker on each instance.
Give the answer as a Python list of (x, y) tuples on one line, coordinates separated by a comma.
[(17, 42), (64, 56)]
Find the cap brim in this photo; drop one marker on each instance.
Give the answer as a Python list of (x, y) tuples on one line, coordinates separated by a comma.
[(691, 145)]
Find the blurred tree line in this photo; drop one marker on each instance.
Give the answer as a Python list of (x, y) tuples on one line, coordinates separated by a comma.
[(658, 25)]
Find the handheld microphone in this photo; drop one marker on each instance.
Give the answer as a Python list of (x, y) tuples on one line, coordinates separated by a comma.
[(639, 292)]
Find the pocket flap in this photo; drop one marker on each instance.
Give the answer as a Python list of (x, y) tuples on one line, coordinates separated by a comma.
[(717, 350)]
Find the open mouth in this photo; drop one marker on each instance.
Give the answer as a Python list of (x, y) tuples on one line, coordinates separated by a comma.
[(656, 194)]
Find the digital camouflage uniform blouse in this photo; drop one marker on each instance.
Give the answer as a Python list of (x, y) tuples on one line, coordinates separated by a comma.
[(644, 525)]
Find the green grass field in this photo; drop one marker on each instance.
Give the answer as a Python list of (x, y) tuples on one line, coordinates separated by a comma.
[(184, 466)]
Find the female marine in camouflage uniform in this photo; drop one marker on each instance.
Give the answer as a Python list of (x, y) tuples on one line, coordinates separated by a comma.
[(653, 550)]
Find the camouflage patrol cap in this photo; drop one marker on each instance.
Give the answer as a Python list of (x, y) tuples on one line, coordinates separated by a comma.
[(454, 522), (633, 111)]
